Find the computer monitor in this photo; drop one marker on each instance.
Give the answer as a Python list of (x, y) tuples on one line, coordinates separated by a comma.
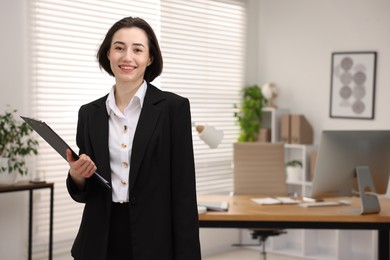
[(341, 152)]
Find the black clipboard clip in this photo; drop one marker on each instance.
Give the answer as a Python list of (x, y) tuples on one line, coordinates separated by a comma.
[(55, 141)]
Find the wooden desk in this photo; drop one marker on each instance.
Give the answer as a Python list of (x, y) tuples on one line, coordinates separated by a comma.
[(27, 186), (243, 213)]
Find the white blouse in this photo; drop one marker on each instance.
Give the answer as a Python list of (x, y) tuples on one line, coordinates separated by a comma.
[(121, 134)]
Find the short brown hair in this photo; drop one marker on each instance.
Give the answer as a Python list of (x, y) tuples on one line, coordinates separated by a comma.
[(154, 69)]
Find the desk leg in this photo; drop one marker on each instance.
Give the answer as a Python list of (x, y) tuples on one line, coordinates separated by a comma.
[(383, 243), (30, 216), (51, 223)]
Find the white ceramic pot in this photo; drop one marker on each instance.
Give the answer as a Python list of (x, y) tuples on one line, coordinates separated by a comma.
[(6, 178), (294, 174)]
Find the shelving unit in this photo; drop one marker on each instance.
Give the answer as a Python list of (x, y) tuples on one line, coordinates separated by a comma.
[(326, 244), (302, 153), (312, 244), (271, 119)]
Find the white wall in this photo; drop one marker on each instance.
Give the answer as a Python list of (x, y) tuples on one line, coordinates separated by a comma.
[(13, 91), (296, 39)]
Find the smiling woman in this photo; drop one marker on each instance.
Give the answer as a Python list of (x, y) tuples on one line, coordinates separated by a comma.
[(144, 149)]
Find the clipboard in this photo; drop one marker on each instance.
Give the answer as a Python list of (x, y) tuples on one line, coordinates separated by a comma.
[(55, 141)]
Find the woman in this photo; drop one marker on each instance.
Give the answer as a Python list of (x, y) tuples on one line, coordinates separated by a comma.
[(139, 139)]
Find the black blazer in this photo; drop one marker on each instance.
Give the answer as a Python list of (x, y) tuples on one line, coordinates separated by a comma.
[(162, 194)]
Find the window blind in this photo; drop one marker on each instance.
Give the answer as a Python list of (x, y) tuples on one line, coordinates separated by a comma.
[(203, 47), (202, 43)]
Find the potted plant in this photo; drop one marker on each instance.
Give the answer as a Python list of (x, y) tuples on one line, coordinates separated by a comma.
[(16, 142), (294, 171), (249, 114)]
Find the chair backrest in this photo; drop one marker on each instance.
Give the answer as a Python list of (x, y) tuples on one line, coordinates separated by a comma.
[(259, 168)]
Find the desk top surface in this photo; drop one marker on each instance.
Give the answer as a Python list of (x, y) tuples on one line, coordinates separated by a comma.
[(25, 185), (242, 208)]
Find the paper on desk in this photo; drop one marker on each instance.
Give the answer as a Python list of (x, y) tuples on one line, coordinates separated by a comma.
[(275, 200), (215, 205)]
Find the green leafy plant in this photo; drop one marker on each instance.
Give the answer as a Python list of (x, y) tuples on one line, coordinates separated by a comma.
[(250, 113), (16, 142), (294, 163)]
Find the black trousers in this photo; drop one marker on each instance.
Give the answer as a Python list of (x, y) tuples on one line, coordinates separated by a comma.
[(119, 239)]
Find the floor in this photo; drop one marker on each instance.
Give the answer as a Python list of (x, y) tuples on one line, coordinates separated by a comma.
[(248, 254)]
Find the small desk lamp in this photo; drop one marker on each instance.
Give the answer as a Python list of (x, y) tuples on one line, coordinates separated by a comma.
[(209, 135), (212, 137)]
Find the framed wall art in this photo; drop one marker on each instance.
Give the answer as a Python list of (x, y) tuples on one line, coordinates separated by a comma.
[(352, 92)]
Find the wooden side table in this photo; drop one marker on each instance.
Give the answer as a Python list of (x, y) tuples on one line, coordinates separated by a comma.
[(30, 187)]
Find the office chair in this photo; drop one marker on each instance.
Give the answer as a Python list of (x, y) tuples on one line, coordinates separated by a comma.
[(259, 169)]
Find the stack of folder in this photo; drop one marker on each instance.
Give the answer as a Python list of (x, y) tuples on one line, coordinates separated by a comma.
[(295, 129)]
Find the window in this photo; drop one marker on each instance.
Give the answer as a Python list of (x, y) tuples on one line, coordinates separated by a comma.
[(203, 48)]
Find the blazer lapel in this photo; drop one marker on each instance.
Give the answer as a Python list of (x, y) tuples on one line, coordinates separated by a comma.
[(146, 124), (99, 124)]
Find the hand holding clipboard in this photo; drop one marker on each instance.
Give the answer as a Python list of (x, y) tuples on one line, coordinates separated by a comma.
[(55, 141)]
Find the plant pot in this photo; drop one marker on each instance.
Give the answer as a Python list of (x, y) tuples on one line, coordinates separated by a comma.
[(294, 173), (6, 178)]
